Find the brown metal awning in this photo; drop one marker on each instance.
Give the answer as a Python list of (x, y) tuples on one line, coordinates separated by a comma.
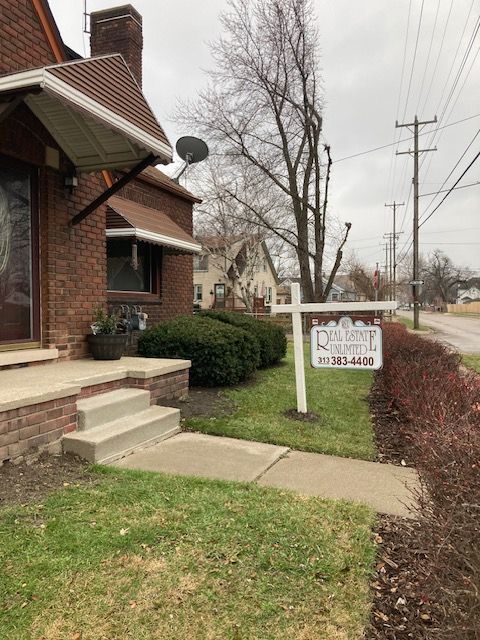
[(127, 219), (95, 111)]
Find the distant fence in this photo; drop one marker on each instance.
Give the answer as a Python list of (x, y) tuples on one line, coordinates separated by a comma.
[(473, 307)]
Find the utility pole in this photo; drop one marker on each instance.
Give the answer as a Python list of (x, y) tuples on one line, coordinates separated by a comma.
[(394, 206), (387, 284), (416, 152)]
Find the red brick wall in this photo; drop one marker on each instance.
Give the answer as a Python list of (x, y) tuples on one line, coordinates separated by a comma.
[(22, 40), (176, 293), (33, 428)]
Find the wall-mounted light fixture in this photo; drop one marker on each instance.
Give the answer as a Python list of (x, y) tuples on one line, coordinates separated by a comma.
[(71, 182)]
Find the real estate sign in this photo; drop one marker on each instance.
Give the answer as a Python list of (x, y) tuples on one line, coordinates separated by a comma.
[(346, 343)]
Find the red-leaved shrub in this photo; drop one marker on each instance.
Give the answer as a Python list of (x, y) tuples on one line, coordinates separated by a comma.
[(439, 410)]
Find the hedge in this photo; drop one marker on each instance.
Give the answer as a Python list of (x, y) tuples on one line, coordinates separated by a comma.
[(271, 338), (220, 354), (438, 410)]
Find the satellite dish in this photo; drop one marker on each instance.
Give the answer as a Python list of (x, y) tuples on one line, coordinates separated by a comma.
[(191, 149)]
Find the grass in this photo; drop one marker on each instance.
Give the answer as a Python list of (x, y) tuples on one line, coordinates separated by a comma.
[(338, 397), (138, 555), (408, 322), (473, 362)]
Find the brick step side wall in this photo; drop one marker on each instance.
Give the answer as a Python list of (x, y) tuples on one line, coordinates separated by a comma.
[(26, 432)]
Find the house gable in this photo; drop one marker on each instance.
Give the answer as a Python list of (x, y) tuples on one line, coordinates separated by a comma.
[(24, 42)]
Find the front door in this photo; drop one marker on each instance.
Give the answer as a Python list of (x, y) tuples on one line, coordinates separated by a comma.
[(219, 296), (19, 289)]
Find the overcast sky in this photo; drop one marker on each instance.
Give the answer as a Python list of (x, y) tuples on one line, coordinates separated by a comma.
[(362, 46)]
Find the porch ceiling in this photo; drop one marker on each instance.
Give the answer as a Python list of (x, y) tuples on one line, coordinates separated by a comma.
[(94, 110)]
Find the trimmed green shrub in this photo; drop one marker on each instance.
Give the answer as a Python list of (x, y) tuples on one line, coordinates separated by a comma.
[(220, 354), (270, 337)]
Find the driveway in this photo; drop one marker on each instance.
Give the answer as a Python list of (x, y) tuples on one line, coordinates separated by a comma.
[(461, 332)]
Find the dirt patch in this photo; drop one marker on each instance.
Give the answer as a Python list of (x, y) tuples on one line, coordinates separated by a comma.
[(309, 416), (401, 609), (392, 438), (204, 402), (23, 483)]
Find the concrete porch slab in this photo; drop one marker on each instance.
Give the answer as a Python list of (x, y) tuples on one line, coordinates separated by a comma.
[(33, 385), (385, 487), (195, 454)]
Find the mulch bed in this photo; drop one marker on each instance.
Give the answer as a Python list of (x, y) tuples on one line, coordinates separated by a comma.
[(400, 610), (391, 436), (24, 483)]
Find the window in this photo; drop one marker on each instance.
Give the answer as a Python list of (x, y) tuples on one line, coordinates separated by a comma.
[(197, 293), (334, 296), (264, 265), (200, 263), (121, 275), (268, 297)]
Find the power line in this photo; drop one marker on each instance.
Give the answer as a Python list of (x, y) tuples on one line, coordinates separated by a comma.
[(455, 166), (392, 144), (438, 58), (413, 59), (428, 54), (466, 54), (396, 135), (462, 186), (450, 190)]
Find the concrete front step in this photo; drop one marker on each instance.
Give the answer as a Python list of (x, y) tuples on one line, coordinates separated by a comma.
[(106, 407), (115, 439)]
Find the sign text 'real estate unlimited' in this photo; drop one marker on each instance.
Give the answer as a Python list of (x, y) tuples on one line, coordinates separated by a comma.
[(344, 343)]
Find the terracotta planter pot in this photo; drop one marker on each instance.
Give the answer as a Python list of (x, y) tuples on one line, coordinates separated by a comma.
[(107, 346)]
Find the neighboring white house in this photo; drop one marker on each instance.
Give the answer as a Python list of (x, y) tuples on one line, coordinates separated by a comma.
[(225, 266), (470, 292)]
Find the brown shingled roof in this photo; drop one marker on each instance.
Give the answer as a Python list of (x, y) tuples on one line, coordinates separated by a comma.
[(108, 81), (127, 218), (154, 176)]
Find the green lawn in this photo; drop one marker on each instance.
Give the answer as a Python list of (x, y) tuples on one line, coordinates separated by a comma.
[(408, 322), (141, 556), (338, 397), (472, 361)]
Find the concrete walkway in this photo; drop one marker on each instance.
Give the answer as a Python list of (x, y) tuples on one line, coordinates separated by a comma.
[(386, 488)]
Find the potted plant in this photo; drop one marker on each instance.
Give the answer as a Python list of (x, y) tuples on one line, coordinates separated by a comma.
[(108, 338)]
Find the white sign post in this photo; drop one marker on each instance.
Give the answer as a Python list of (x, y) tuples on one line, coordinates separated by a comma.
[(297, 308)]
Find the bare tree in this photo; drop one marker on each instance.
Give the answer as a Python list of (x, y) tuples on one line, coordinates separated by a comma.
[(441, 278), (262, 114), (362, 279)]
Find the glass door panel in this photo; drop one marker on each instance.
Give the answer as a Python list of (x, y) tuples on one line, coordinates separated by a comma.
[(17, 261)]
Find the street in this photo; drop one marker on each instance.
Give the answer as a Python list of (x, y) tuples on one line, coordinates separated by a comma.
[(461, 332)]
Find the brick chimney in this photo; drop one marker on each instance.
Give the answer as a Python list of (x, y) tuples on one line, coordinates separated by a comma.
[(118, 30)]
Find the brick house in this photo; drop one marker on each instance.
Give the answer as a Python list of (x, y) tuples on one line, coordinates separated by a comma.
[(85, 217), (56, 125)]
